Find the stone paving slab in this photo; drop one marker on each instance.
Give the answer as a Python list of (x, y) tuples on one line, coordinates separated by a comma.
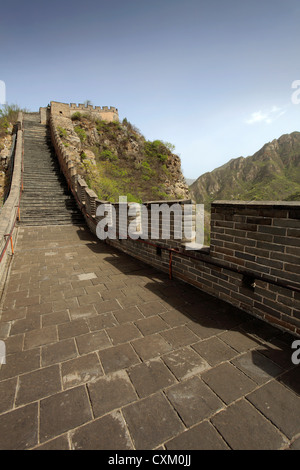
[(104, 352), (194, 401), (150, 377), (64, 411), (244, 428), (107, 433), (38, 384), (221, 378), (279, 405), (203, 436), (19, 428), (111, 392), (152, 421)]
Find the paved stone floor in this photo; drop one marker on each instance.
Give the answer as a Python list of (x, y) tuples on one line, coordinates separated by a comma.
[(104, 352)]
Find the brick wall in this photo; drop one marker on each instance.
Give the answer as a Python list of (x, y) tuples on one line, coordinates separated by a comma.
[(252, 262), (260, 240), (45, 115)]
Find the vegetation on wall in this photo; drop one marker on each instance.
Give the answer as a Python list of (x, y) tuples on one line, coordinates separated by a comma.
[(8, 117), (117, 160)]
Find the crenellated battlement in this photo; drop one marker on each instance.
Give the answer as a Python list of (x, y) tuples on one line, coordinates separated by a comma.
[(66, 110), (82, 107)]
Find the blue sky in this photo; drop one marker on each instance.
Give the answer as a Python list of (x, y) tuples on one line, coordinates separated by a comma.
[(212, 77)]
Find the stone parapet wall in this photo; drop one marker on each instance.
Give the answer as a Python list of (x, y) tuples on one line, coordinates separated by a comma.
[(262, 238), (262, 285), (253, 261), (10, 210), (45, 115), (87, 199), (66, 110)]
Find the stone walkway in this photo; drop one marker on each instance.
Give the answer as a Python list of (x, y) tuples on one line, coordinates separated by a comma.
[(104, 352)]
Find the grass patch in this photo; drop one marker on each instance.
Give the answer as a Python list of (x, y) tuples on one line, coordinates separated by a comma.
[(81, 133), (76, 116), (8, 116), (62, 132)]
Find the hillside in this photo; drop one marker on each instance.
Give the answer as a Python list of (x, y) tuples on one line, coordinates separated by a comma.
[(272, 173), (116, 160)]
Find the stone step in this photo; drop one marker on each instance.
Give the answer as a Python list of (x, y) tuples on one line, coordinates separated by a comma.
[(31, 197), (48, 215), (40, 222), (50, 206), (46, 199), (33, 183)]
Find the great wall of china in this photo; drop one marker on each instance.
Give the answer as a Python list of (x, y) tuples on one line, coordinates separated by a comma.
[(136, 344), (253, 258), (66, 110)]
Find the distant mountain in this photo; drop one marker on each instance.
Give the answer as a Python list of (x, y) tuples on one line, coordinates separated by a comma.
[(189, 181), (272, 173)]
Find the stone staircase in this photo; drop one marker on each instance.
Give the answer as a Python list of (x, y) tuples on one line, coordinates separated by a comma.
[(46, 199)]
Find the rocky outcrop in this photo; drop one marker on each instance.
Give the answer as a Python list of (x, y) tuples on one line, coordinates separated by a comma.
[(115, 159)]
